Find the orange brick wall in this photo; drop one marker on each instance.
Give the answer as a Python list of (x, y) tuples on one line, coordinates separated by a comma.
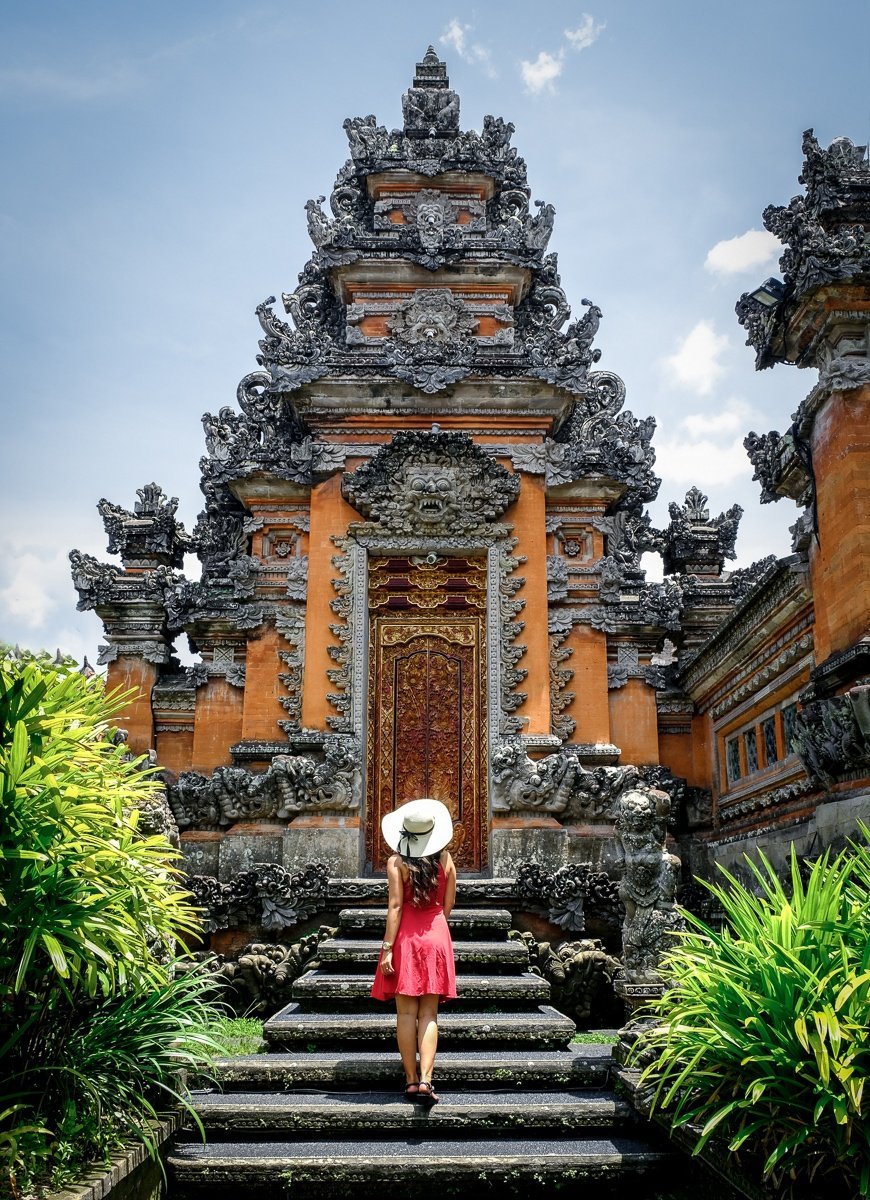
[(840, 566), (330, 514), (217, 724), (589, 708), (528, 516), (123, 674), (262, 709), (634, 723), (175, 750)]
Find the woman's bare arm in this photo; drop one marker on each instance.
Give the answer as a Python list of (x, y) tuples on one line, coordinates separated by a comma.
[(394, 910), (450, 890)]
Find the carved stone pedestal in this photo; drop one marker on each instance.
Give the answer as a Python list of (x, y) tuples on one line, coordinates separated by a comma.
[(331, 839)]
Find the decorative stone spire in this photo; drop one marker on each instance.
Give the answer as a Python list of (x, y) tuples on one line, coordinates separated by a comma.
[(695, 544), (429, 107)]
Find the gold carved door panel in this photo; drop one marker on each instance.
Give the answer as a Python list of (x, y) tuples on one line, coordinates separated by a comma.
[(427, 698)]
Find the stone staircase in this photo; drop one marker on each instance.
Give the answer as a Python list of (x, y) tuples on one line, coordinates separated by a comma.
[(522, 1109)]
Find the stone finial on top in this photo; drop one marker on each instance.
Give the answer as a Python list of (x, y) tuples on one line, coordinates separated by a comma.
[(695, 544), (429, 107), (148, 537)]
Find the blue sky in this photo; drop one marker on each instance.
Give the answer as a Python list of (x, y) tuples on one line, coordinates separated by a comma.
[(157, 158)]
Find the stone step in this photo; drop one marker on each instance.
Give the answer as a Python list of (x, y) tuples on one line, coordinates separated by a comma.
[(449, 1164), (347, 952), (489, 923), (323, 987), (578, 1066), (265, 1114), (542, 1027)]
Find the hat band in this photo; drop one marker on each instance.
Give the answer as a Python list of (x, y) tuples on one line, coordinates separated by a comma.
[(409, 835)]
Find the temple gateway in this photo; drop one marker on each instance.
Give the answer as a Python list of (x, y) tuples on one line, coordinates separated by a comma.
[(421, 551)]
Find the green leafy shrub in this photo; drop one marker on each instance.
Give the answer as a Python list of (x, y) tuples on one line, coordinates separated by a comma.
[(95, 1022), (764, 1038)]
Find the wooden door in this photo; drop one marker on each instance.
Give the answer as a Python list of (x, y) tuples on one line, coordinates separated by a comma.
[(427, 698)]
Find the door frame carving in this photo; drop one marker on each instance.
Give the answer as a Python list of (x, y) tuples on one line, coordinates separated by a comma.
[(496, 542)]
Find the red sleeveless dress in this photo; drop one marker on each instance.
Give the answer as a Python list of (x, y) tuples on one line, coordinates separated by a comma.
[(422, 952)]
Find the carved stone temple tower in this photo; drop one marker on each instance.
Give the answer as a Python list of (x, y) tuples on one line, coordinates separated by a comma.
[(420, 545)]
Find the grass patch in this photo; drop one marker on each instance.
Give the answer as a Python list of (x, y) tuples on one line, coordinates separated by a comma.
[(595, 1037), (238, 1035)]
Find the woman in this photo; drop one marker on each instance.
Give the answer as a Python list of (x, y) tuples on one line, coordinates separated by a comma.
[(416, 966)]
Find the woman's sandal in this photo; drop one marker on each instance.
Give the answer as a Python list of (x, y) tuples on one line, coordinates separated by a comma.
[(426, 1092), (411, 1090)]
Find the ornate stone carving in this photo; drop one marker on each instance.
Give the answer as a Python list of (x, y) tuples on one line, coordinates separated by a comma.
[(825, 236), (832, 736), (580, 975), (648, 884), (570, 894), (269, 896), (291, 625), (149, 536), (557, 784), (599, 439), (292, 784), (432, 342), (845, 374), (430, 482), (560, 697), (429, 107), (764, 454), (695, 544), (260, 979), (557, 578)]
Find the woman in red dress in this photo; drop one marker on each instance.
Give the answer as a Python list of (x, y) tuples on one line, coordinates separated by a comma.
[(416, 966)]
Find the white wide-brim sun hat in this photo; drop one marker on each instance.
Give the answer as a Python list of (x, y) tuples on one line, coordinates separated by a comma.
[(418, 828)]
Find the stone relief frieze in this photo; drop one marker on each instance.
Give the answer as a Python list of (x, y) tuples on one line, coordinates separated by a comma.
[(292, 784), (561, 724)]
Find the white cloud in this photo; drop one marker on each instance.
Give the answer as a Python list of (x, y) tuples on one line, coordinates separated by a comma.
[(456, 37), (753, 249), (696, 363), (540, 74), (36, 584), (706, 448), (585, 34), (66, 86)]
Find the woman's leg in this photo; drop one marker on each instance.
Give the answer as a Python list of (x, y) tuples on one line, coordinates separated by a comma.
[(427, 1034), (406, 1034)]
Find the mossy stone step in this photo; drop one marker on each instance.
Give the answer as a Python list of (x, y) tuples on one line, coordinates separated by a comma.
[(327, 988), (489, 923), (347, 952), (541, 1027), (577, 1066), (348, 1163), (265, 1114)]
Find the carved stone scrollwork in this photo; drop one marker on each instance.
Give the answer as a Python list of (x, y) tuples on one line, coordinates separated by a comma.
[(557, 784), (763, 450), (292, 784), (430, 482), (832, 736), (561, 724), (599, 439), (268, 895), (341, 676), (432, 342), (291, 625), (648, 884), (570, 894)]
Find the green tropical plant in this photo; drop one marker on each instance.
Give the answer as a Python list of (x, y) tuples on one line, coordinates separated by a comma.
[(763, 1036), (95, 1021)]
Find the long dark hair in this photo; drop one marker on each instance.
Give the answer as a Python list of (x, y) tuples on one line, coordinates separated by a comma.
[(424, 877)]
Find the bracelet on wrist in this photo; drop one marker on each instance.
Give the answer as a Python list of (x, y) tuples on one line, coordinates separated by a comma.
[(385, 945)]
